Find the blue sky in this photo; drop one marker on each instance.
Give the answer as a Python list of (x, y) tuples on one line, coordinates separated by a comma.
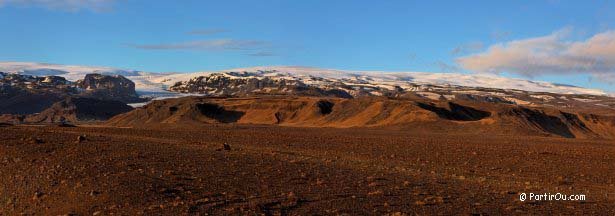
[(432, 36)]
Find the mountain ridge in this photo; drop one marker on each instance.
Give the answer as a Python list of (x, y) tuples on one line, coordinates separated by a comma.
[(310, 81), (157, 82)]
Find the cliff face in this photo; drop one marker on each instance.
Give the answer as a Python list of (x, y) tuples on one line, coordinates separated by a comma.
[(107, 87)]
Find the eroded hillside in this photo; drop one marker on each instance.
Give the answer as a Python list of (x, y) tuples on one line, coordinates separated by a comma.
[(454, 116)]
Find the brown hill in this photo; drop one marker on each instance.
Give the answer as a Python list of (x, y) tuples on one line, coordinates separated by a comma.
[(453, 117), (79, 110)]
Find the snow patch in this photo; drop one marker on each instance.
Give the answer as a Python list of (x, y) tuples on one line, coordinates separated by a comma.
[(517, 101), (586, 100), (543, 97), (430, 95)]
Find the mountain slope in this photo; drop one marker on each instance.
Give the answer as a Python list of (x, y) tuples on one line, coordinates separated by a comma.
[(78, 110)]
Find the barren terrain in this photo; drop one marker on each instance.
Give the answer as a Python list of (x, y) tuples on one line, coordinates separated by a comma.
[(48, 170)]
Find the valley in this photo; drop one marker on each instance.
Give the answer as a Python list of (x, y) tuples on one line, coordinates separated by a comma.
[(298, 141)]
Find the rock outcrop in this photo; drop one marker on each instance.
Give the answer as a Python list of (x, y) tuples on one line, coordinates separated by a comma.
[(108, 87)]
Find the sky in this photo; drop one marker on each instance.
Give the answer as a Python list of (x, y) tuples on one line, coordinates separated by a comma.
[(568, 42)]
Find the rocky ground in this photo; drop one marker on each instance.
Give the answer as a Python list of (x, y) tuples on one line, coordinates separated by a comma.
[(295, 171)]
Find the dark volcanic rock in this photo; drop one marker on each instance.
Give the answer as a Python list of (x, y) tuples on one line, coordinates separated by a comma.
[(80, 138), (325, 107), (541, 120), (108, 87), (456, 112)]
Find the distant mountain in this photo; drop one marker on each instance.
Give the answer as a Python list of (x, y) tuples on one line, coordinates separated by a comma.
[(70, 72), (314, 76), (308, 81), (298, 81), (157, 82), (26, 94)]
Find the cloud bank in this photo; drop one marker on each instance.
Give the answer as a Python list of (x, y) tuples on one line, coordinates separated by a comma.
[(551, 54), (64, 5)]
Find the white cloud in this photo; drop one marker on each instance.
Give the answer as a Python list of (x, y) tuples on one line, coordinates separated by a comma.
[(551, 54), (208, 45)]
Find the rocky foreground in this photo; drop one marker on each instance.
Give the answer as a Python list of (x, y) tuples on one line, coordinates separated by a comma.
[(296, 171)]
